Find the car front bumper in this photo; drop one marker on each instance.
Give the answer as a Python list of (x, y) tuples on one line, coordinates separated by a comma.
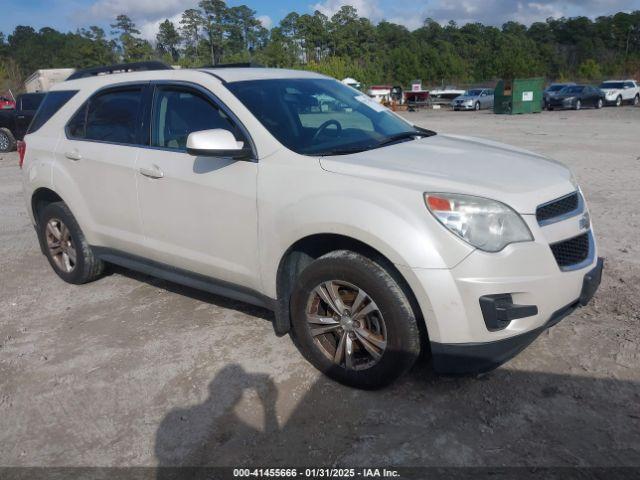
[(463, 106), (524, 285), (466, 358)]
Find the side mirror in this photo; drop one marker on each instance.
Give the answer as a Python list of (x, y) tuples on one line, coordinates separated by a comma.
[(217, 143)]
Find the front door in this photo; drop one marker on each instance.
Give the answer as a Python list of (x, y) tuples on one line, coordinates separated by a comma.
[(198, 213)]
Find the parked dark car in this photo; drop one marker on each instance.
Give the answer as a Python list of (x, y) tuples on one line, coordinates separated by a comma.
[(551, 91), (14, 122), (577, 97)]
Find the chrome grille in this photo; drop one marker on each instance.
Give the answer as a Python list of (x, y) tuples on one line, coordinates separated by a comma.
[(557, 208)]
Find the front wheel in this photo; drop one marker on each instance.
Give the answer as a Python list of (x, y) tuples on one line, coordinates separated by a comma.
[(578, 105), (477, 106), (599, 104), (636, 100), (353, 322), (619, 101)]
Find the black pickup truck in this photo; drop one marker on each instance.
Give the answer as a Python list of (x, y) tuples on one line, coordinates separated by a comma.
[(15, 121)]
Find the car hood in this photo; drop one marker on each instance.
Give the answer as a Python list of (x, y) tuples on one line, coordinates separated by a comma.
[(467, 165)]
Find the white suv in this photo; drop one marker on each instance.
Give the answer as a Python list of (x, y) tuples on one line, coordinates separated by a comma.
[(618, 92), (370, 238)]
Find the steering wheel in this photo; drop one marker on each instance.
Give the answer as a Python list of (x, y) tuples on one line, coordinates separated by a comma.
[(324, 126)]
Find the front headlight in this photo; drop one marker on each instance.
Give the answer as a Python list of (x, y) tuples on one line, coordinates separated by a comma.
[(485, 224)]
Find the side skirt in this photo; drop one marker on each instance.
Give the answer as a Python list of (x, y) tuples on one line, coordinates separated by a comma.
[(185, 277)]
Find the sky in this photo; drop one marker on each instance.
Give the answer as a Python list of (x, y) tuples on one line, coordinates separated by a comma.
[(68, 15)]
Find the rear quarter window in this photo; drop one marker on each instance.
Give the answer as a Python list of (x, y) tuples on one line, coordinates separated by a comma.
[(53, 102)]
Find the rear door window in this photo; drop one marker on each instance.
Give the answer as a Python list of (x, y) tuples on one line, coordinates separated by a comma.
[(31, 101), (53, 102), (112, 116)]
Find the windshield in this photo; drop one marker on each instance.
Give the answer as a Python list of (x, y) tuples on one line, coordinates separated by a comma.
[(473, 93), (572, 90), (556, 88), (616, 85), (320, 116)]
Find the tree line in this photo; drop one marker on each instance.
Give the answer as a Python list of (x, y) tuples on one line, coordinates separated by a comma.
[(342, 45)]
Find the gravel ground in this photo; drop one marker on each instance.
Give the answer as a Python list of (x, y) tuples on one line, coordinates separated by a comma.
[(130, 370)]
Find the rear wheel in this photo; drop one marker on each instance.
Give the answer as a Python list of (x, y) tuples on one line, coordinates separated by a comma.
[(353, 322), (7, 141), (65, 246)]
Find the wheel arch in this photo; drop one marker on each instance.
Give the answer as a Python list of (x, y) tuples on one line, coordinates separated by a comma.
[(40, 198), (305, 250)]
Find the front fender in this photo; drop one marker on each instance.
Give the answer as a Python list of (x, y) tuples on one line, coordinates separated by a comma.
[(390, 219)]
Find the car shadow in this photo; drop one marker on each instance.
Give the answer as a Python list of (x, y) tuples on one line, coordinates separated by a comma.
[(503, 418)]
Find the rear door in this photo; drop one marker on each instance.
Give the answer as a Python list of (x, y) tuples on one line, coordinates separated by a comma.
[(198, 213), (98, 153)]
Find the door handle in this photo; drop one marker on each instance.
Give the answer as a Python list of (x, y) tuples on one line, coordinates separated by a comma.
[(154, 172), (20, 117), (73, 155)]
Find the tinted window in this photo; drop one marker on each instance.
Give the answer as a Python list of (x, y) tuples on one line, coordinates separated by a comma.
[(178, 112), (612, 85), (110, 117), (32, 101), (474, 93), (629, 84), (576, 89), (49, 106)]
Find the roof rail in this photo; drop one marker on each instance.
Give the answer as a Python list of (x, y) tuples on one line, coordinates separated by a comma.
[(235, 65), (119, 68)]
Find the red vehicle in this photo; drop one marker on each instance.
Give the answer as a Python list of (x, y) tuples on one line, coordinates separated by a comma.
[(6, 102)]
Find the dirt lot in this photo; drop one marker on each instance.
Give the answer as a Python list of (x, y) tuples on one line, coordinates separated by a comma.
[(134, 371)]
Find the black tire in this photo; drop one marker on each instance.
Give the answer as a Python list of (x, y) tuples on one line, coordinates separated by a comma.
[(400, 324), (599, 104), (7, 141), (477, 106), (86, 266), (636, 100), (578, 105), (619, 101)]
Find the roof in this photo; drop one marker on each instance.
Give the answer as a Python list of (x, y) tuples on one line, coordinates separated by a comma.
[(240, 74), (224, 74)]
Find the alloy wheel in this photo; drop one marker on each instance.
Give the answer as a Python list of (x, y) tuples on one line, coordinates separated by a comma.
[(346, 324), (60, 244), (619, 102), (4, 142)]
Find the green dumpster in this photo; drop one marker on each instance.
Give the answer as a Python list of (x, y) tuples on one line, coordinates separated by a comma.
[(521, 95)]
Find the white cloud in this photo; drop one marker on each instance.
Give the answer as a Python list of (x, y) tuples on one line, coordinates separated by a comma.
[(265, 20), (109, 9), (490, 12), (149, 28), (366, 8)]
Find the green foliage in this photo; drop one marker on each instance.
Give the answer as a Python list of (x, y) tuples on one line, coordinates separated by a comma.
[(589, 70), (347, 45)]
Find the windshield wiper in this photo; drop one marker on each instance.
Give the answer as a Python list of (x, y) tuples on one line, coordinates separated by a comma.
[(418, 132), (344, 151)]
